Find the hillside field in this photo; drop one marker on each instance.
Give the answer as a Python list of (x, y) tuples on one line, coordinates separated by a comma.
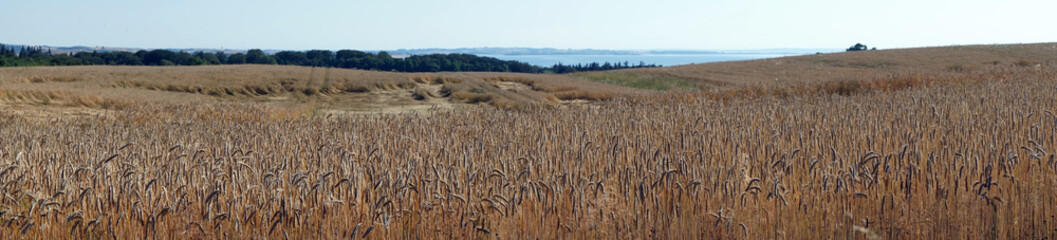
[(947, 142)]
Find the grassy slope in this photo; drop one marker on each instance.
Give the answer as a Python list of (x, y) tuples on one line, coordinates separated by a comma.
[(832, 67), (115, 86)]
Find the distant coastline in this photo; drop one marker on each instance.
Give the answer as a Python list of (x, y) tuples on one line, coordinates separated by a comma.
[(544, 60), (538, 57), (474, 51)]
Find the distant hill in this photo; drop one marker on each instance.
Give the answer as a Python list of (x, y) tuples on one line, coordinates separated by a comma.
[(76, 49), (841, 66)]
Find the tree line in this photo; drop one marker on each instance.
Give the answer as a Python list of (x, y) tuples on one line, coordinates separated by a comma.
[(351, 59), (560, 68)]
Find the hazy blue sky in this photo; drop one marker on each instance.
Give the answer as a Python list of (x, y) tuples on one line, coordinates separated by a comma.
[(609, 24)]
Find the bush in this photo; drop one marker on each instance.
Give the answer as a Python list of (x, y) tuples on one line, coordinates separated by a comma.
[(858, 47)]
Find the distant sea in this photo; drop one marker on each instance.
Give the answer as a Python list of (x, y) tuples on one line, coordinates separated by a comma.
[(660, 59)]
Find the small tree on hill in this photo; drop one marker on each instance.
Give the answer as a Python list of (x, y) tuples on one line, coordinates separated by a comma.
[(858, 47)]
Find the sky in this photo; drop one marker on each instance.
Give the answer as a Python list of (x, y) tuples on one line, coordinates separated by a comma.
[(610, 24)]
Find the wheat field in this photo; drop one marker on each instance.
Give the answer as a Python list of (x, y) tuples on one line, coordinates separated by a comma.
[(949, 154)]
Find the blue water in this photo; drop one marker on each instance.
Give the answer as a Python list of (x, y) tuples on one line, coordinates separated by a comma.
[(661, 59)]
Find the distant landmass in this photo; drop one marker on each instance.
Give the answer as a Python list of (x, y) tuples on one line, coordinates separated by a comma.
[(541, 51), (77, 49), (474, 51), (555, 51)]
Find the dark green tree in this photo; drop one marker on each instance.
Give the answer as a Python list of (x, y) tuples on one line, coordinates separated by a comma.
[(223, 57), (6, 51), (238, 58), (208, 58), (256, 56), (291, 58), (90, 58), (63, 60), (122, 58), (320, 58), (857, 47), (155, 57), (186, 59)]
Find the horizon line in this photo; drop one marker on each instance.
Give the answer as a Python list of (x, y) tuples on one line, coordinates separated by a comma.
[(430, 48)]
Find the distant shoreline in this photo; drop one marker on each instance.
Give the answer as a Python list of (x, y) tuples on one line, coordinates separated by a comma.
[(426, 51), (544, 60)]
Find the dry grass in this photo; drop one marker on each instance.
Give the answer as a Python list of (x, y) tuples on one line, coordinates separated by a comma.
[(814, 69), (324, 87), (944, 154)]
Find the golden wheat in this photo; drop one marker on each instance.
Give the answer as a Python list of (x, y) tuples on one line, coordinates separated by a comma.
[(952, 155)]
